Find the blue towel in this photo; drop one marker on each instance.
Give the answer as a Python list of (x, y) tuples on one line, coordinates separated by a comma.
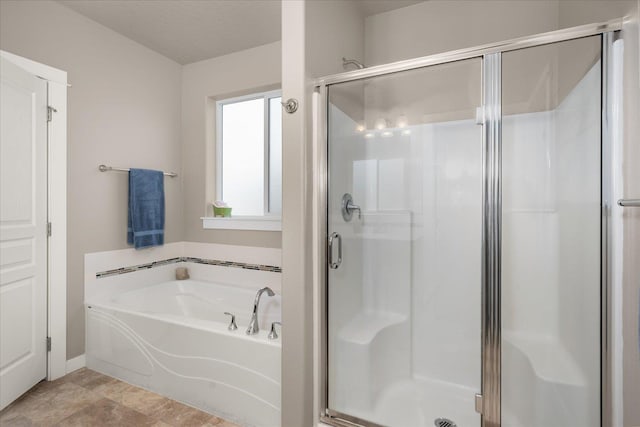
[(145, 226)]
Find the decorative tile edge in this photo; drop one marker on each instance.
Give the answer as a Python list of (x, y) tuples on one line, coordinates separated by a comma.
[(221, 263)]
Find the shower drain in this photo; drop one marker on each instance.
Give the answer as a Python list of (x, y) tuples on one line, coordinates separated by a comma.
[(443, 422)]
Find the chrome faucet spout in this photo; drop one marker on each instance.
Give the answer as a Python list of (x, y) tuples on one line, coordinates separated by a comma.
[(253, 323)]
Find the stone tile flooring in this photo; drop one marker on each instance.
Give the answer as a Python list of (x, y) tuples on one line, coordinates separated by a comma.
[(86, 398)]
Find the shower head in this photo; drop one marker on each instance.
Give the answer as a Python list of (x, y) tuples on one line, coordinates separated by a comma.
[(346, 62)]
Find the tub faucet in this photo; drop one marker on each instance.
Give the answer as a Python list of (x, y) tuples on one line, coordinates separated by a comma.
[(253, 323)]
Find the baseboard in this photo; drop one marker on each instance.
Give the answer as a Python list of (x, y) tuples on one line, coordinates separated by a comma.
[(76, 363)]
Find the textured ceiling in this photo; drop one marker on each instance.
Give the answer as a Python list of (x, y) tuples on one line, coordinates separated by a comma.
[(188, 30), (192, 30)]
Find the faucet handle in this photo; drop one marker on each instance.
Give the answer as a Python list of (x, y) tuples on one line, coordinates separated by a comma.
[(273, 335), (352, 207), (348, 207), (232, 325)]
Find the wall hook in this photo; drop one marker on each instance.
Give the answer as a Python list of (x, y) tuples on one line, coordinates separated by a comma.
[(290, 105)]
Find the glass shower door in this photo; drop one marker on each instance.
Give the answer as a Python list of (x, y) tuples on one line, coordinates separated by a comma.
[(405, 234), (551, 213)]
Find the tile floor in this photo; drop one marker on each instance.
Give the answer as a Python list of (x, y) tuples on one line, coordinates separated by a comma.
[(85, 398)]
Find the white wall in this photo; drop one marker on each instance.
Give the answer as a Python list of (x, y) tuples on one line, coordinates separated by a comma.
[(335, 29), (440, 26), (123, 110), (297, 350), (203, 82), (315, 36)]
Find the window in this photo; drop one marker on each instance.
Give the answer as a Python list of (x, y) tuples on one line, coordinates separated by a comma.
[(249, 154)]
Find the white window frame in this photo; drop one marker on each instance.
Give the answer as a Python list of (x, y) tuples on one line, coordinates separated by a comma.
[(266, 96)]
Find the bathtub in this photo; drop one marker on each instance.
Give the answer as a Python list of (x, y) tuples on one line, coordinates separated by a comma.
[(172, 338)]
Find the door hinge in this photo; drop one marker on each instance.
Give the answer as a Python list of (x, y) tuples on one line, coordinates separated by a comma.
[(49, 229), (478, 402), (48, 343), (50, 111)]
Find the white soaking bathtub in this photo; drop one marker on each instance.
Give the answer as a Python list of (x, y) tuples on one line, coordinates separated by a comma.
[(172, 338)]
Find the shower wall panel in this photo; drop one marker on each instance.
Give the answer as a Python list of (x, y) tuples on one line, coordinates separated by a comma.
[(551, 154)]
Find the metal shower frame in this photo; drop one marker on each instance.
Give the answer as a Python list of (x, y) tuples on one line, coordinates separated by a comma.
[(488, 403)]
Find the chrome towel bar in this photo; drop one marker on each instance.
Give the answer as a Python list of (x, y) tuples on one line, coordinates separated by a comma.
[(104, 168), (630, 203)]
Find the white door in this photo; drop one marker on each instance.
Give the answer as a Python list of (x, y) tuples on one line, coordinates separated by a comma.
[(23, 231)]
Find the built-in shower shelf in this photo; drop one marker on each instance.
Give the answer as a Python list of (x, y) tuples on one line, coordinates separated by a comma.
[(363, 328)]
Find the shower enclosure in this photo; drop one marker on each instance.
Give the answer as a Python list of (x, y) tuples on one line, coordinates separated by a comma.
[(465, 216)]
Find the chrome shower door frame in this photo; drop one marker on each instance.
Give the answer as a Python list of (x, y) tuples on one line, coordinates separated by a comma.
[(489, 402), (608, 146)]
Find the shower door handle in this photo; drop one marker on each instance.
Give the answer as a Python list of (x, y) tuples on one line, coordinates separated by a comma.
[(630, 203), (332, 238)]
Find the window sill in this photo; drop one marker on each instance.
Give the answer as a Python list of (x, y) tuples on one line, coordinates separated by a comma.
[(262, 223)]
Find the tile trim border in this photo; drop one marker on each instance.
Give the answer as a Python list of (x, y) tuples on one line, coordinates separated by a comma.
[(221, 263)]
